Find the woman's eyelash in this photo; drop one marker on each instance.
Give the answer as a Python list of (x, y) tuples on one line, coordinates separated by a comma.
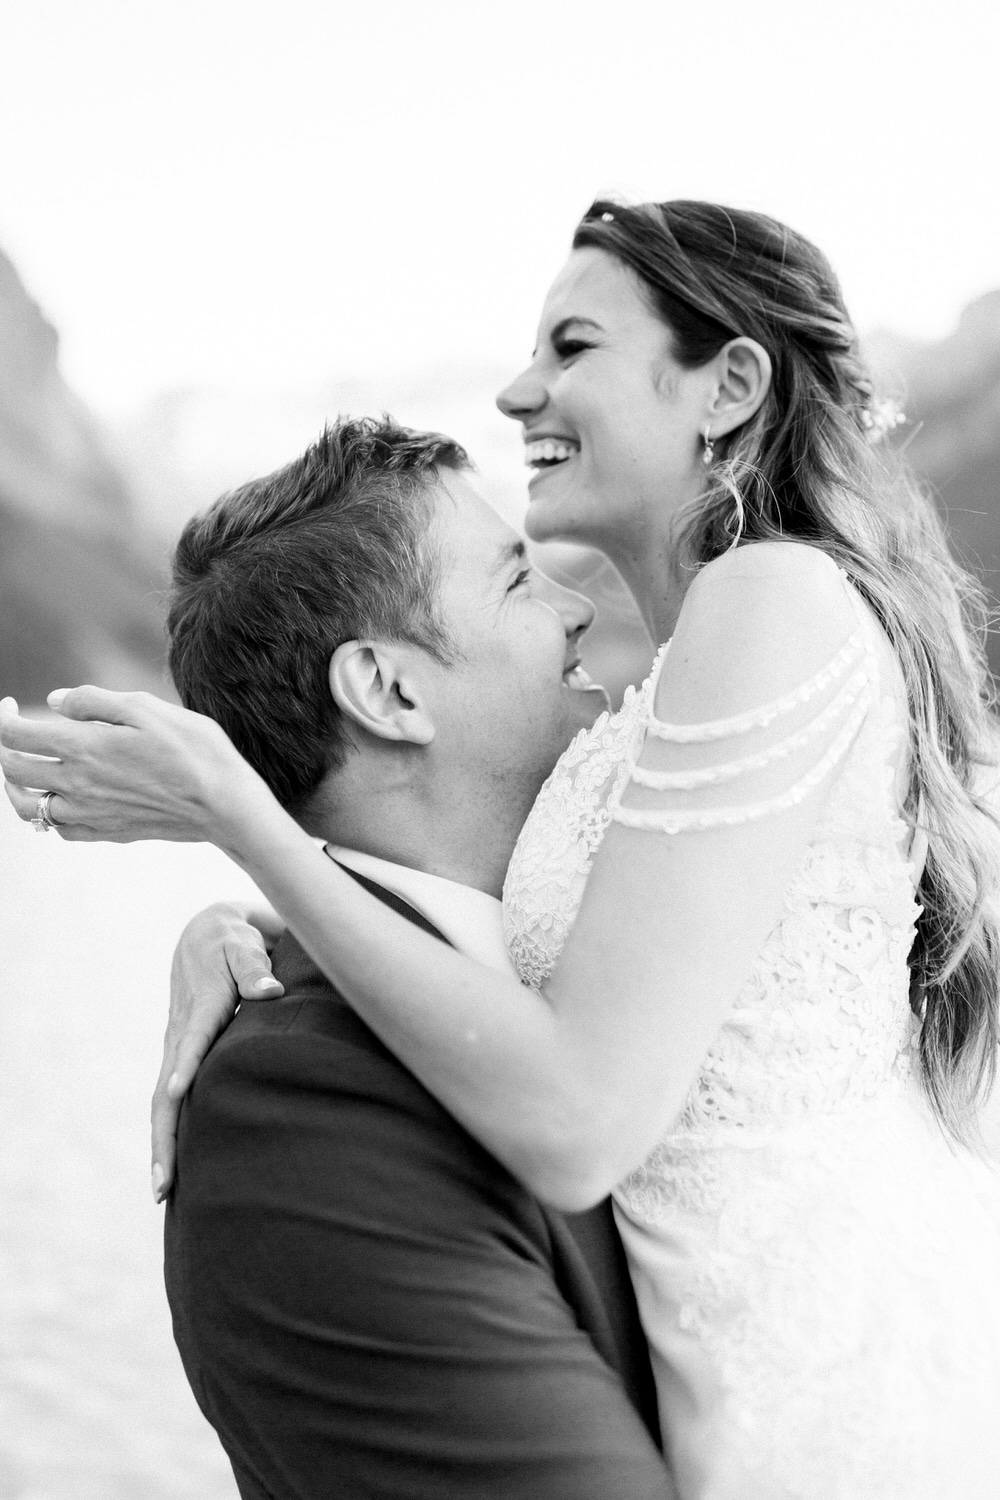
[(522, 577), (567, 347)]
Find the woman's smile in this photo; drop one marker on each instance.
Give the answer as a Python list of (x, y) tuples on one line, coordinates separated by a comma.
[(601, 404), (545, 455), (547, 452)]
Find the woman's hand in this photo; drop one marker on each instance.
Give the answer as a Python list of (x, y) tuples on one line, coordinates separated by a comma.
[(124, 766), (222, 957)]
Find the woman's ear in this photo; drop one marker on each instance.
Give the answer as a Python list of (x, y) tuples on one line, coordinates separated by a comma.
[(377, 687), (743, 379)]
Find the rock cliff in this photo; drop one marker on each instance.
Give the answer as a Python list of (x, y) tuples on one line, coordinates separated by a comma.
[(78, 583), (87, 516)]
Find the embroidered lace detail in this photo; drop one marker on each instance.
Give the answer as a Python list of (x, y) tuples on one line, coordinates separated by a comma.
[(803, 1241), (547, 873), (827, 1297)]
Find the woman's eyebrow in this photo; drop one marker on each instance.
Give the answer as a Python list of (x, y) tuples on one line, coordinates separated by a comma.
[(566, 323)]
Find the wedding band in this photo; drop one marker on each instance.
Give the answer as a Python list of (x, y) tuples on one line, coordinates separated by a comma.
[(43, 819)]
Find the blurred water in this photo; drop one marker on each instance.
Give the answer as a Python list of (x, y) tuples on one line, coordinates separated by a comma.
[(93, 1401)]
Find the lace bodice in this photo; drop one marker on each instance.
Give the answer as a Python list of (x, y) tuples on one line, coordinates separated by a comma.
[(549, 868), (815, 1267), (825, 1015)]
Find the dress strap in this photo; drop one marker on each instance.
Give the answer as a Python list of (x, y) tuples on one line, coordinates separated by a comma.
[(669, 821), (663, 781), (863, 615), (759, 718), (847, 684)]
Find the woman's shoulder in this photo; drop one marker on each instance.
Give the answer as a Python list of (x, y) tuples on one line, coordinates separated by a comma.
[(757, 622), (767, 585), (772, 562)]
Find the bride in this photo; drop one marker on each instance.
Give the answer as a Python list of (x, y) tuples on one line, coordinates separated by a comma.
[(754, 912)]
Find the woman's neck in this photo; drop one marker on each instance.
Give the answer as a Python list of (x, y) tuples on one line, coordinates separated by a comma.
[(657, 582)]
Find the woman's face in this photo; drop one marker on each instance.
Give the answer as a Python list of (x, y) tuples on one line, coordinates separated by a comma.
[(611, 421)]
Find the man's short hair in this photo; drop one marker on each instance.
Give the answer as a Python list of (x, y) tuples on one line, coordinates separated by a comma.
[(273, 577)]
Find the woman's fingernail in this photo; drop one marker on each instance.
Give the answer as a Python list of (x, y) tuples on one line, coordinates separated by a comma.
[(9, 703), (55, 698), (267, 983), (158, 1180), (173, 1084)]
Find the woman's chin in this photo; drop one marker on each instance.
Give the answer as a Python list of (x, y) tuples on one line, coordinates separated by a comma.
[(549, 515)]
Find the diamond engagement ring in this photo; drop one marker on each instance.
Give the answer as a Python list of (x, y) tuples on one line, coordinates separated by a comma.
[(43, 819)]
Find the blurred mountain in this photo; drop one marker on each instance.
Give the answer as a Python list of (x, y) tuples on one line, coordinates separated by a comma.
[(186, 447), (78, 579), (88, 512), (951, 393), (189, 446)]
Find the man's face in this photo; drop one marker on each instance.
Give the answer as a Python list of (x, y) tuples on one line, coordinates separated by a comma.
[(511, 703)]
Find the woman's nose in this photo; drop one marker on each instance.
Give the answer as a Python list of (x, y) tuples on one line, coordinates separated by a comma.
[(523, 397)]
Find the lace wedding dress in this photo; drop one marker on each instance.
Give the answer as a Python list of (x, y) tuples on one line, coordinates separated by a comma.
[(817, 1267)]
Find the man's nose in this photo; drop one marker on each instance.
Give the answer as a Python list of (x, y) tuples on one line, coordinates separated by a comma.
[(574, 610), (524, 396)]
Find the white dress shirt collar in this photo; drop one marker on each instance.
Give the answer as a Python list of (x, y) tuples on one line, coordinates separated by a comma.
[(469, 919)]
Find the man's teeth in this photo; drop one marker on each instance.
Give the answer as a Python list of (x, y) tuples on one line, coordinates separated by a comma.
[(548, 451)]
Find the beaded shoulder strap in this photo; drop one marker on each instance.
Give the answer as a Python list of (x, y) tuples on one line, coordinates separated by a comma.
[(854, 666)]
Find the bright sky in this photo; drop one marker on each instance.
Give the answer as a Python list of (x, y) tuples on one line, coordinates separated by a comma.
[(264, 192)]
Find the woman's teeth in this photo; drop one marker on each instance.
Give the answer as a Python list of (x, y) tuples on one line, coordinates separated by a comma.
[(547, 451)]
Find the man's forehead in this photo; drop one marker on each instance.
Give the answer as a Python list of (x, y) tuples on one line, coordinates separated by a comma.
[(473, 531)]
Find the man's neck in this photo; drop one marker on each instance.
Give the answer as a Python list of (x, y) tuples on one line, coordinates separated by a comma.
[(415, 855), (474, 852)]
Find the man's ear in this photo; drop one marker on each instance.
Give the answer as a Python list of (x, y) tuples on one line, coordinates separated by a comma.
[(376, 686), (743, 379)]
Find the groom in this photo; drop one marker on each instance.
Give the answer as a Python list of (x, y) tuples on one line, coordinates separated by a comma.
[(365, 1302)]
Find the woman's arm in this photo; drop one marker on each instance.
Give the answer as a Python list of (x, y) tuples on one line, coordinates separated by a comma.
[(571, 1088)]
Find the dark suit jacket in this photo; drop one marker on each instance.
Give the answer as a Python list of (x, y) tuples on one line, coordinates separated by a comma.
[(367, 1304)]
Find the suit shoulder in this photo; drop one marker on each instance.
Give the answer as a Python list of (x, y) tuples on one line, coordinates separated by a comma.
[(313, 1058)]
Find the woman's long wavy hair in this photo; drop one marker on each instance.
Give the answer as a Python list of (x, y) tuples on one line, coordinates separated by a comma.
[(805, 468)]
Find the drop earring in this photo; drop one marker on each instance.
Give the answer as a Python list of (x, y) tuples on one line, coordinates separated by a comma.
[(708, 452)]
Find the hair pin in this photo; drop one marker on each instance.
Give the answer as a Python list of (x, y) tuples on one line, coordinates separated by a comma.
[(881, 418)]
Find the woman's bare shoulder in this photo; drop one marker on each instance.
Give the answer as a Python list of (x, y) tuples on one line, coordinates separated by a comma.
[(756, 622), (778, 562)]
